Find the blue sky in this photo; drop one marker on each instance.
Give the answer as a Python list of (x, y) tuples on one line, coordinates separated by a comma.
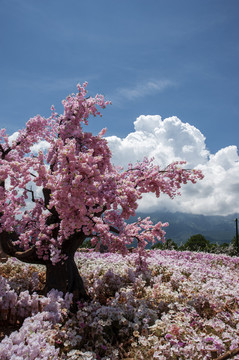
[(155, 57)]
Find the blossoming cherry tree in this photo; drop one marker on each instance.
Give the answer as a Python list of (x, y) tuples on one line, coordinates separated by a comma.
[(53, 200)]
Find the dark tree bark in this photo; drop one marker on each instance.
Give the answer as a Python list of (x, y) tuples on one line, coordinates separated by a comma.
[(229, 354), (63, 276), (66, 278)]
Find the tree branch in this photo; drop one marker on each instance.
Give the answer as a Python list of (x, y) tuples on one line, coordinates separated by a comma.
[(113, 229), (29, 256), (229, 354), (5, 152), (32, 192), (1, 148), (47, 198)]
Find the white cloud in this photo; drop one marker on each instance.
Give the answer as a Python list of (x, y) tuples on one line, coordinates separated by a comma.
[(169, 140), (140, 90), (166, 140), (13, 137), (40, 146)]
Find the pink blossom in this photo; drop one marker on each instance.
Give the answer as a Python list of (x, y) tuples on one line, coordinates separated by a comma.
[(72, 187)]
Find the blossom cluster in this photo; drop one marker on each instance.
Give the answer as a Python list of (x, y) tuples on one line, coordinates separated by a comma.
[(184, 306), (15, 305), (73, 187)]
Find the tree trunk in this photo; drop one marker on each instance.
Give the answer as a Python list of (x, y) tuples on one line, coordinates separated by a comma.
[(64, 276)]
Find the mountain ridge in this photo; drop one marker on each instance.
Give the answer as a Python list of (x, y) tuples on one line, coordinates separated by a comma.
[(215, 228)]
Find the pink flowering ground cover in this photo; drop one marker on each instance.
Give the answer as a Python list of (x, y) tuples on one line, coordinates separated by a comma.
[(185, 306)]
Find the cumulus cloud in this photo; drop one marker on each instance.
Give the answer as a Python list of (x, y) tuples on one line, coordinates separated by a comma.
[(170, 140), (13, 137), (166, 140), (40, 146)]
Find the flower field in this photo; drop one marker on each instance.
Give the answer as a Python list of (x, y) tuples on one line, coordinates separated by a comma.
[(185, 306)]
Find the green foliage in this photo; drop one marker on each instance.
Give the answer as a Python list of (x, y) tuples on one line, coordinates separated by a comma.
[(168, 244), (199, 243), (157, 246), (87, 244), (234, 242), (196, 243)]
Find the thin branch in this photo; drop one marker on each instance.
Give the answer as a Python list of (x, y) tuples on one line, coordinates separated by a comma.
[(1, 148), (113, 229), (160, 171), (229, 354), (47, 198), (32, 192), (5, 152)]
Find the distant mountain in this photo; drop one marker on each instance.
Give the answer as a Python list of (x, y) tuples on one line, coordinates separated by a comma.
[(216, 229)]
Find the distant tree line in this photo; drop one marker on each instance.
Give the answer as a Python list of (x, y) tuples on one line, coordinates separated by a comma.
[(195, 243), (199, 243)]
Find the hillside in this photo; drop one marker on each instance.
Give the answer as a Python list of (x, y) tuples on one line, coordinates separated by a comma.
[(216, 229)]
